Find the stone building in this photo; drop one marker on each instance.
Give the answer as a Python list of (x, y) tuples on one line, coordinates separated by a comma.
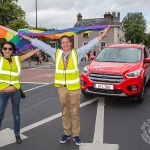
[(115, 35)]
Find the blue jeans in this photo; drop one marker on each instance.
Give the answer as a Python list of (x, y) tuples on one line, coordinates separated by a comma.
[(15, 100)]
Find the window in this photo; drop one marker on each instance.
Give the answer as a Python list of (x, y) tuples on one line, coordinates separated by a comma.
[(85, 35), (84, 43), (128, 55), (53, 44), (103, 45)]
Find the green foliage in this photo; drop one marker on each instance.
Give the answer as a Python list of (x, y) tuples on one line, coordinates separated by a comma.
[(43, 29), (18, 24), (147, 40), (12, 15), (135, 26)]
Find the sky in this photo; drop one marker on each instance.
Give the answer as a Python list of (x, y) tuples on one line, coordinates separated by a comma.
[(61, 14)]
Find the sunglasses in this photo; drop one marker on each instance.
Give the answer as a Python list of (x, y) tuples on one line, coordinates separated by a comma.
[(5, 48)]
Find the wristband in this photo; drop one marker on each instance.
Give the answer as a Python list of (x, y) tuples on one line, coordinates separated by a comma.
[(28, 38)]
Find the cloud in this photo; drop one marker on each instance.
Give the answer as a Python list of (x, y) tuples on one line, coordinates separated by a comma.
[(63, 14)]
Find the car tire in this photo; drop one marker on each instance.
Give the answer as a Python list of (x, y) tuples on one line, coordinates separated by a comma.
[(85, 93), (148, 83), (140, 97)]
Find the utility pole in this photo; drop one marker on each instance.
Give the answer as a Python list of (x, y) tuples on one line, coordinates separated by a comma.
[(36, 12), (29, 28)]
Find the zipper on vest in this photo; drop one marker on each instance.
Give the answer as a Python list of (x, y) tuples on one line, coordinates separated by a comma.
[(10, 73)]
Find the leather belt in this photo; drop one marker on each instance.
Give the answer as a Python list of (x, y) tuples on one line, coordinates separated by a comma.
[(8, 91)]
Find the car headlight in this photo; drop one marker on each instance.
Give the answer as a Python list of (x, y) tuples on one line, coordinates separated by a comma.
[(85, 70), (133, 74)]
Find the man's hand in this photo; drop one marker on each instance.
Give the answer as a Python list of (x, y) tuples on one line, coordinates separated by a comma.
[(101, 36), (106, 30), (26, 38)]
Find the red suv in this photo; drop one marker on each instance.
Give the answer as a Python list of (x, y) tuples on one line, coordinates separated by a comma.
[(118, 70)]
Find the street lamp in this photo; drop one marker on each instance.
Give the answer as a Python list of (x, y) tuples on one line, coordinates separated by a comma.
[(36, 12)]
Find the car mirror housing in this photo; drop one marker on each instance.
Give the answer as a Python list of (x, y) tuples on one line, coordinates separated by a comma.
[(147, 60), (92, 57)]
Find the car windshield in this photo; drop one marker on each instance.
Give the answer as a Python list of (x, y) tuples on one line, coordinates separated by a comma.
[(119, 55)]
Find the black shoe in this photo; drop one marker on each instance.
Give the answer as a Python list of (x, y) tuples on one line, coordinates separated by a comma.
[(18, 139)]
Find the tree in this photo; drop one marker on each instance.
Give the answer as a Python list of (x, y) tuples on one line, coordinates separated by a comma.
[(12, 15), (3, 1), (135, 26), (147, 40)]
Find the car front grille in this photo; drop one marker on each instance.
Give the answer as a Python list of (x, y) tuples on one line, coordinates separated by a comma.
[(107, 78)]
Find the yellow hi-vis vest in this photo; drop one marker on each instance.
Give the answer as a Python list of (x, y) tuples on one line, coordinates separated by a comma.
[(9, 73), (69, 77)]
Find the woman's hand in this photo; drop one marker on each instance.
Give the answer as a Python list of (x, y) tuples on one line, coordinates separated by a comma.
[(9, 88), (28, 54)]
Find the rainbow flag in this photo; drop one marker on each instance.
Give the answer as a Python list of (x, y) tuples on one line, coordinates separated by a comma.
[(12, 36), (22, 44), (56, 34)]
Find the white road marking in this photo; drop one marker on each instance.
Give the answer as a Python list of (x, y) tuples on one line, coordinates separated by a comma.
[(7, 137), (35, 82), (8, 134), (46, 75), (98, 135), (37, 86), (52, 117)]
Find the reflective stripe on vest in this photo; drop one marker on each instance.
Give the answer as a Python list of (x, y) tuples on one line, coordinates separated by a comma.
[(12, 82), (67, 81)]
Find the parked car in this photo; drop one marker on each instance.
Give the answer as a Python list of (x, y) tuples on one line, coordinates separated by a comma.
[(118, 70)]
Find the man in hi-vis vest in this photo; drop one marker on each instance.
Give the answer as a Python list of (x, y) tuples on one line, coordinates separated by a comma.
[(67, 80)]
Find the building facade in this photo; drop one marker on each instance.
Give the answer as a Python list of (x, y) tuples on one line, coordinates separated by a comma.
[(115, 35)]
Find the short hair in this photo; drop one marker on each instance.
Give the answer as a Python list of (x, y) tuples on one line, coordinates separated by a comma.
[(65, 36), (9, 43)]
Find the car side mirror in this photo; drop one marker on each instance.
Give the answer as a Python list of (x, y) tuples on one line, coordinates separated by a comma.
[(92, 57), (147, 60)]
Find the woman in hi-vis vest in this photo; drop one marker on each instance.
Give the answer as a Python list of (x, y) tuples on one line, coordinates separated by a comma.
[(10, 68), (67, 80)]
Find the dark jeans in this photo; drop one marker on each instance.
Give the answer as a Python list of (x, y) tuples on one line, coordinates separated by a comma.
[(15, 100)]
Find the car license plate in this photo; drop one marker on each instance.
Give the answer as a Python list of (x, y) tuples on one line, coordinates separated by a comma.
[(104, 86)]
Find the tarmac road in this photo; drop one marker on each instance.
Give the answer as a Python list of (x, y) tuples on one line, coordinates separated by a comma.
[(123, 119)]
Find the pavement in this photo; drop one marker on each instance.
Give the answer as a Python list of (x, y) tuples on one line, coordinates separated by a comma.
[(32, 64)]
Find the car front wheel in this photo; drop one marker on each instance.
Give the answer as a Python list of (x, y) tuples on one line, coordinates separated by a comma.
[(140, 97)]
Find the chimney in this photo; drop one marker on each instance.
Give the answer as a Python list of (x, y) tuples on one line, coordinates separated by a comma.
[(108, 16), (79, 17), (118, 16)]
